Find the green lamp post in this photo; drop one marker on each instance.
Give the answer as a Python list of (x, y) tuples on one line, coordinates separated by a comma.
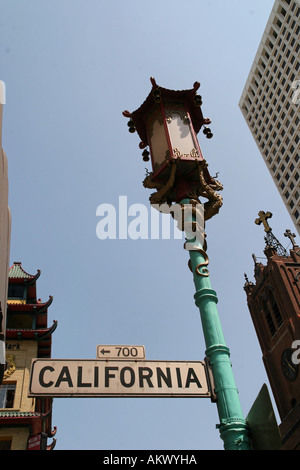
[(168, 122)]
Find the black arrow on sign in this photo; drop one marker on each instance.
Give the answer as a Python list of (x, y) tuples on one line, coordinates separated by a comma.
[(103, 351)]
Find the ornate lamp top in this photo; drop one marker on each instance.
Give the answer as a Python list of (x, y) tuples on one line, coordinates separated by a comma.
[(168, 122), (192, 101)]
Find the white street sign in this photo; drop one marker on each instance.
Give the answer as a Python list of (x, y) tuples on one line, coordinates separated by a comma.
[(120, 352), (87, 378)]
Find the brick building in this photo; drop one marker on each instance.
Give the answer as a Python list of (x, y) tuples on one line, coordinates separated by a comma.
[(274, 304)]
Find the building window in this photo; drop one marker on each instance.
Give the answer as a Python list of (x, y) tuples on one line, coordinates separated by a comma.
[(274, 308), (271, 313), (269, 319), (276, 312), (21, 320), (17, 291), (5, 444), (283, 12), (7, 395)]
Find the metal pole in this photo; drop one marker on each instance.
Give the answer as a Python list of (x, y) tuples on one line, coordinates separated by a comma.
[(232, 427)]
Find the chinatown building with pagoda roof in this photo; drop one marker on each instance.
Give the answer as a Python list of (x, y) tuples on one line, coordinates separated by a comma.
[(25, 423)]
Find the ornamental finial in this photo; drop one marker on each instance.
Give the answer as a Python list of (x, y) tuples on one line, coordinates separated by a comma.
[(262, 219), (291, 236)]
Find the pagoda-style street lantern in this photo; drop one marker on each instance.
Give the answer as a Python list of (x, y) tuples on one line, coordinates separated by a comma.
[(168, 122)]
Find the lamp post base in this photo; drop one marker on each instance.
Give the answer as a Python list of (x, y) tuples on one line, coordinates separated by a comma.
[(233, 434)]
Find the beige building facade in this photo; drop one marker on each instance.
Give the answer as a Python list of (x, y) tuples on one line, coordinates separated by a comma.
[(14, 401), (5, 228)]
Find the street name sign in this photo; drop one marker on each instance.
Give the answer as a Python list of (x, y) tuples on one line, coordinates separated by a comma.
[(98, 378), (120, 352)]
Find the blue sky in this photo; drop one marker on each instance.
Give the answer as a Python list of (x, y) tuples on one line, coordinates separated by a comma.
[(70, 69)]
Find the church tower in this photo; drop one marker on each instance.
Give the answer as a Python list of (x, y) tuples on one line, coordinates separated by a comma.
[(274, 304), (25, 423)]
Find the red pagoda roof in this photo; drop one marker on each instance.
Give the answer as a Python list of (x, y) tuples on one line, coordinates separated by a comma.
[(16, 271), (13, 333), (186, 96), (39, 306), (38, 420), (42, 335)]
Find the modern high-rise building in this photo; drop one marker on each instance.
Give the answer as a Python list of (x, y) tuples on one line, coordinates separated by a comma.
[(270, 101)]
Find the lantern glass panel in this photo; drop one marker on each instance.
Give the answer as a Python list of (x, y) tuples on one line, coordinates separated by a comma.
[(181, 135), (158, 143)]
